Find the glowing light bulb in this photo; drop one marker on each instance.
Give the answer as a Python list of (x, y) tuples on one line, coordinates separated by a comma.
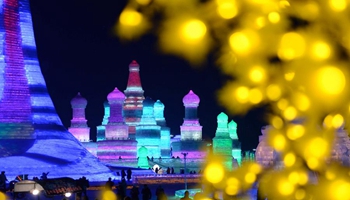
[(242, 42), (35, 192), (242, 94), (250, 177), (227, 9), (290, 113), (292, 45), (337, 5), (337, 121), (277, 122), (289, 159), (130, 18), (273, 92), (320, 50), (257, 74), (279, 142), (295, 132), (285, 188), (216, 169), (193, 30), (274, 17), (255, 96), (330, 80)]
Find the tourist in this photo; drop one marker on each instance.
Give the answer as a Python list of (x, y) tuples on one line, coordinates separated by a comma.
[(186, 197), (172, 170), (44, 176), (134, 193), (109, 184), (168, 170), (3, 180), (128, 174), (146, 193), (160, 193), (122, 189), (123, 174)]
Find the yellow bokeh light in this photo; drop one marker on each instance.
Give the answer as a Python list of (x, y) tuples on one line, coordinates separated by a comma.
[(294, 177), (317, 147), (296, 131), (130, 18), (143, 2), (302, 102), (330, 80), (300, 194), (110, 195), (255, 96), (214, 168), (274, 17), (312, 162), (340, 190), (260, 22), (282, 104), (290, 113), (250, 177), (330, 175), (338, 5), (273, 92), (284, 4), (320, 50), (289, 159), (292, 45), (193, 30), (277, 122), (227, 9), (257, 74), (279, 142), (285, 188), (243, 42), (233, 186), (337, 121), (242, 94), (255, 168), (289, 76), (303, 178)]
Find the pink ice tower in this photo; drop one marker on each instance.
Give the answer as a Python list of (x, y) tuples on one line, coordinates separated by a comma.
[(191, 129), (79, 127), (134, 99), (116, 128)]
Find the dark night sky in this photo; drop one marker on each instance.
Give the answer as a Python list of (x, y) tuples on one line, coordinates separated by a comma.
[(78, 51)]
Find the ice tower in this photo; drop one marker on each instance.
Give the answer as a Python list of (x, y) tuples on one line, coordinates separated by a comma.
[(165, 131), (134, 99), (32, 137), (222, 142), (102, 128), (148, 132), (116, 128), (79, 127), (236, 145), (191, 131), (115, 143)]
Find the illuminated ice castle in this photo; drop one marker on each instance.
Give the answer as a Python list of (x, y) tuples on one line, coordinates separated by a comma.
[(32, 137), (133, 125)]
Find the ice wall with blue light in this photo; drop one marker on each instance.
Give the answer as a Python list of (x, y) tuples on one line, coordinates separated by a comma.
[(236, 144), (32, 137)]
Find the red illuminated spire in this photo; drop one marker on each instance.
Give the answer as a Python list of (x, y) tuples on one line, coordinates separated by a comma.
[(133, 99), (134, 82)]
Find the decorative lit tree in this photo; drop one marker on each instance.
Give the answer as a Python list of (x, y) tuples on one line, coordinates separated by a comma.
[(290, 55)]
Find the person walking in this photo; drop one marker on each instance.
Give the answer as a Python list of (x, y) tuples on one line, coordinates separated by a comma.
[(146, 193), (134, 193)]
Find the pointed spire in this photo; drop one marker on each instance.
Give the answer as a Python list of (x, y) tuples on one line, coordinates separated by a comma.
[(134, 81)]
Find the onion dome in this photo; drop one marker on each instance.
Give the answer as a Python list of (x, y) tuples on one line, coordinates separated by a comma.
[(191, 99), (148, 102), (232, 125), (78, 101), (115, 95), (222, 120), (158, 105)]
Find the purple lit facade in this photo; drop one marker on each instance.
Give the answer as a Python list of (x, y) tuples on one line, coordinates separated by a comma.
[(32, 137), (79, 127)]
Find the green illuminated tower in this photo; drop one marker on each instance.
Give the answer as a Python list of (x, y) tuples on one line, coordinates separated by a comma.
[(222, 142), (236, 145), (142, 161)]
